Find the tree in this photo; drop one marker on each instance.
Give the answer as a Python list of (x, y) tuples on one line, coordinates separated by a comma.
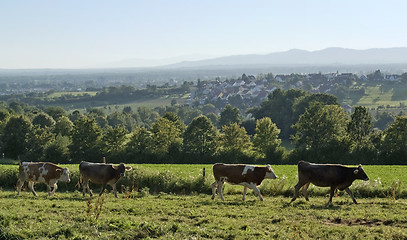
[(16, 107), (266, 139), (113, 140), (56, 112), (214, 118), (173, 117), (122, 119), (321, 133), (279, 107), (75, 115), (63, 126), (285, 107), (38, 139), (15, 136), (375, 76), (234, 139), (200, 137), (86, 135), (394, 146), (141, 141), (4, 115), (43, 120), (57, 151), (360, 125), (230, 115), (383, 120), (166, 134), (319, 125)]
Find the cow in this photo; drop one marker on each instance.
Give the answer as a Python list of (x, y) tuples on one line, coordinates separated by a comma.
[(43, 172), (335, 176), (239, 174), (101, 173)]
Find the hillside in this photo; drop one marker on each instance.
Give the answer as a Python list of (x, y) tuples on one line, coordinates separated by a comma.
[(328, 56)]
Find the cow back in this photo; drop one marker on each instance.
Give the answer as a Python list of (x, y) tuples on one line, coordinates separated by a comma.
[(239, 173), (39, 171), (324, 175), (99, 173)]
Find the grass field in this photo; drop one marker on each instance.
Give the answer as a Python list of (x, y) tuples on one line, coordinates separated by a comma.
[(166, 216), (384, 94), (60, 94), (173, 202), (149, 103)]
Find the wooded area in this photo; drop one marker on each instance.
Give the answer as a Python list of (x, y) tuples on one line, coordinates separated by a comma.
[(318, 128)]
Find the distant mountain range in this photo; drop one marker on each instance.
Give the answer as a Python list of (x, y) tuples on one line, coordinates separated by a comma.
[(328, 56)]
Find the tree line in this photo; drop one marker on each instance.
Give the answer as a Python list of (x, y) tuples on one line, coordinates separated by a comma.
[(314, 124)]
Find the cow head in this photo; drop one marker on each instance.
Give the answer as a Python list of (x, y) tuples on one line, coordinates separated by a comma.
[(121, 168), (64, 177), (270, 173), (360, 173)]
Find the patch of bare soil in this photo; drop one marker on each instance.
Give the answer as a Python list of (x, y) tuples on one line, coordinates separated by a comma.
[(365, 222)]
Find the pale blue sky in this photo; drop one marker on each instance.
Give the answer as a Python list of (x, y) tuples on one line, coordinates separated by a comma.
[(77, 33)]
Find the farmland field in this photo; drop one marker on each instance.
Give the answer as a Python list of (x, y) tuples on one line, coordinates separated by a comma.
[(173, 202)]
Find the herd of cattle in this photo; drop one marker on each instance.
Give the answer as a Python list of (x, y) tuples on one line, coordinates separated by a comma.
[(334, 176)]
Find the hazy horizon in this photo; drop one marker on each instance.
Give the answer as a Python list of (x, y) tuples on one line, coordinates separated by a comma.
[(77, 34)]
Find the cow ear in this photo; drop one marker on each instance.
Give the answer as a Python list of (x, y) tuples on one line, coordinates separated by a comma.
[(115, 167), (360, 166), (268, 167), (59, 170), (128, 168), (356, 171)]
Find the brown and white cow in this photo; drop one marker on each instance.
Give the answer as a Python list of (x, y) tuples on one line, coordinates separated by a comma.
[(101, 173), (334, 176), (47, 173), (240, 174)]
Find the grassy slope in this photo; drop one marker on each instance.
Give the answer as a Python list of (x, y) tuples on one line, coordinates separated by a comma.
[(383, 94)]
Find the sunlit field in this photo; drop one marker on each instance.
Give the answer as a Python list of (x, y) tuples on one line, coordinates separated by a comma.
[(174, 202), (168, 216)]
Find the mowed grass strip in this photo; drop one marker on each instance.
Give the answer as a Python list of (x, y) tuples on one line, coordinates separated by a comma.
[(167, 216)]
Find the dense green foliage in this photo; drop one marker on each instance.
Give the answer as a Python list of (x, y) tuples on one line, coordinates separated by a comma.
[(320, 130)]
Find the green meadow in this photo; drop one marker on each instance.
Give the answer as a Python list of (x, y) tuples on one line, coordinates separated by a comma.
[(174, 202)]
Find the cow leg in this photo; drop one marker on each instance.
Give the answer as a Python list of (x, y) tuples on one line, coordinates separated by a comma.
[(220, 189), (296, 189), (31, 187), (103, 189), (351, 195), (19, 186), (214, 185), (114, 190), (244, 193), (54, 189), (86, 187), (331, 195), (49, 190), (304, 191), (255, 189)]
